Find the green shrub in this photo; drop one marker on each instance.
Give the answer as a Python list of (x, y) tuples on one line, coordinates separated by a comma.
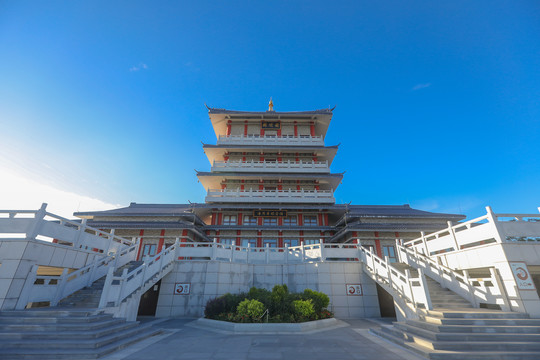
[(320, 300), (214, 308), (303, 309), (250, 310), (280, 302), (261, 295), (224, 304)]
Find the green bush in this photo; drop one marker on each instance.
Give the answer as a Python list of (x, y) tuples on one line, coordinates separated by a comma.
[(280, 303), (283, 306), (223, 304), (320, 300), (261, 295), (303, 309), (250, 309)]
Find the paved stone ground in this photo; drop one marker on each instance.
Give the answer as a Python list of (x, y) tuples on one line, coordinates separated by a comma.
[(184, 342)]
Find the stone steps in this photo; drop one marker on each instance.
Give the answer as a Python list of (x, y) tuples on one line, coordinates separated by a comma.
[(454, 330), (59, 333)]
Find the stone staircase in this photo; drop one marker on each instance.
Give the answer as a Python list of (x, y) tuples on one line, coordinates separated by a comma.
[(75, 329), (89, 297), (456, 330), (58, 333)]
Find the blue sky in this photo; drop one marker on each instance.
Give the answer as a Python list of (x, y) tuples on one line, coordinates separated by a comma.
[(438, 102)]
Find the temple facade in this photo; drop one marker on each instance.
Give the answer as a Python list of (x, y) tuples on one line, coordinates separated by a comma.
[(269, 187)]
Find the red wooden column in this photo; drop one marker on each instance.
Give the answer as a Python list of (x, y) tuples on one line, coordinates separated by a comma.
[(355, 236), (312, 129), (161, 240), (259, 236), (245, 128), (378, 248), (141, 233), (280, 238), (295, 129)]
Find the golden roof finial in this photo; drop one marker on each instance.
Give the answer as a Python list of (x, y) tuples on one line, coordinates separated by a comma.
[(270, 105)]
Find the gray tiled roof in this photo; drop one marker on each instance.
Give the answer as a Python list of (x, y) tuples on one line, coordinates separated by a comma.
[(212, 110), (394, 210)]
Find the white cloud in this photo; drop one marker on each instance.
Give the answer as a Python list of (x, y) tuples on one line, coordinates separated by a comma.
[(421, 86), (141, 66), (18, 192)]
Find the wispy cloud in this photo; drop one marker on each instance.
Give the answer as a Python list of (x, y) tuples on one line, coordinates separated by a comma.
[(141, 66), (421, 86), (21, 192)]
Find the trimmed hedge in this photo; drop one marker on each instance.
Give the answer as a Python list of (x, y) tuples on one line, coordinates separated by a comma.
[(282, 306)]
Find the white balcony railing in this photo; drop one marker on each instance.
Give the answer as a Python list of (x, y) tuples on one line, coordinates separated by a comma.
[(286, 166), (271, 196), (270, 140)]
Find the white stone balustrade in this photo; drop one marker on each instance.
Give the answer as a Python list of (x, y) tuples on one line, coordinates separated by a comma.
[(285, 140), (487, 229), (261, 166), (40, 224), (271, 196)]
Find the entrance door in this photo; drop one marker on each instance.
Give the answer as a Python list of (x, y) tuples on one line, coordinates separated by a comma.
[(149, 300)]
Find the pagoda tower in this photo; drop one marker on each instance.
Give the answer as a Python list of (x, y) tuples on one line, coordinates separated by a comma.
[(270, 158)]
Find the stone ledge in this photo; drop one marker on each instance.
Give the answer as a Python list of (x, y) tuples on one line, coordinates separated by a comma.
[(267, 328)]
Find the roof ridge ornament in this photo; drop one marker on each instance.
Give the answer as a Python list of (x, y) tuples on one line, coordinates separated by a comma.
[(270, 105)]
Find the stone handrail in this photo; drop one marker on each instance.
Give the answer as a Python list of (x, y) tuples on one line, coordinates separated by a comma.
[(270, 195), (273, 165), (55, 288), (487, 229), (40, 224), (411, 293), (270, 140), (118, 288), (488, 290)]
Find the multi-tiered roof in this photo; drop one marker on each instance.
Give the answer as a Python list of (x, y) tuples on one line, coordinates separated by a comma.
[(270, 157)]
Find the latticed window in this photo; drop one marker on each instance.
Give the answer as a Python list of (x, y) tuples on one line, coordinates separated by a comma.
[(250, 242), (250, 220), (291, 242), (290, 220), (270, 242), (310, 220), (226, 241), (270, 221), (229, 220), (390, 251)]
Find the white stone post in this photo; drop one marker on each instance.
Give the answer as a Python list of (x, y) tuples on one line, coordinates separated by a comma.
[(27, 288), (267, 253), (423, 283), (496, 278), (233, 246), (424, 242), (60, 286), (398, 251), (321, 249), (492, 218), (106, 288), (453, 234), (214, 249), (82, 230), (38, 219)]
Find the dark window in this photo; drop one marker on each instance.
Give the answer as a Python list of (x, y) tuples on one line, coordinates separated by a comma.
[(229, 220), (250, 220), (270, 221), (290, 220)]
